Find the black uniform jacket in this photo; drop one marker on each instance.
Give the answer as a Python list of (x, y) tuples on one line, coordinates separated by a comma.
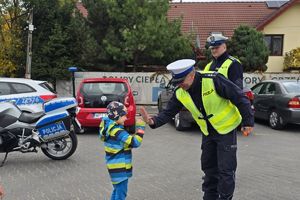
[(235, 71), (224, 88)]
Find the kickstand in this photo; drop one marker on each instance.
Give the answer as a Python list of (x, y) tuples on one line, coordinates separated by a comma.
[(1, 165)]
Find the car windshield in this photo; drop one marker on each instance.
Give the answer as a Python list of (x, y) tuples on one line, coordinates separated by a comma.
[(292, 87), (99, 95), (104, 88)]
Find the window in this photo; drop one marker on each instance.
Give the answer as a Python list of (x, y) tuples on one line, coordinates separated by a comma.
[(5, 89), (269, 88), (104, 88), (256, 89), (275, 44), (22, 88)]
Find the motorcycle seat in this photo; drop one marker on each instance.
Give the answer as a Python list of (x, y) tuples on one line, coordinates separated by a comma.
[(30, 117)]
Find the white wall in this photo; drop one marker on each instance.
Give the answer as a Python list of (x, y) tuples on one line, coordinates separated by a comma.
[(147, 85)]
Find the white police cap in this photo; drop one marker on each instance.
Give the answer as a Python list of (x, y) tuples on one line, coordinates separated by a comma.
[(180, 69), (216, 40)]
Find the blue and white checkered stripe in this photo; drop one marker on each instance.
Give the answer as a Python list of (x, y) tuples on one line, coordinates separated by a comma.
[(25, 100)]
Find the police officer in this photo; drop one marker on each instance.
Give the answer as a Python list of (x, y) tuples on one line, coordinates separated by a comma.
[(222, 62), (218, 106)]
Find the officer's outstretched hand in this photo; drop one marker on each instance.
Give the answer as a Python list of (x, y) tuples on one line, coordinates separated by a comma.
[(146, 116), (246, 130)]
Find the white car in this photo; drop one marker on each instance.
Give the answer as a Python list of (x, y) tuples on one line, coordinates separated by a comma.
[(28, 94)]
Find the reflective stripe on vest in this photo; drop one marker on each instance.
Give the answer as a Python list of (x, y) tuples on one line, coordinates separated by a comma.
[(111, 133), (224, 67), (225, 116)]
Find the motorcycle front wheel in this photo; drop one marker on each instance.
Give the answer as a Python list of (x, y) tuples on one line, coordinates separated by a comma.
[(61, 148)]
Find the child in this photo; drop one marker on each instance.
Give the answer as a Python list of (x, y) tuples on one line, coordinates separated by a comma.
[(118, 144)]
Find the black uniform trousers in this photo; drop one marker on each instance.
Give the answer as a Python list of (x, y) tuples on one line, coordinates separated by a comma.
[(218, 162)]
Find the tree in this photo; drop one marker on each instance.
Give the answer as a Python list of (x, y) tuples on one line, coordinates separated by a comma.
[(248, 45), (137, 32), (7, 67), (11, 52), (61, 39), (84, 48), (50, 55)]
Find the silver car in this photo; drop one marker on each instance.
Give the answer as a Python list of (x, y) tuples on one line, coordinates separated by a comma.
[(277, 101)]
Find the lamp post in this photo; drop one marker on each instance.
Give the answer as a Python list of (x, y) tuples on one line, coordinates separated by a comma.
[(29, 45), (73, 69)]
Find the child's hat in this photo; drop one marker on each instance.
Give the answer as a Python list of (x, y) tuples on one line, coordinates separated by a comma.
[(115, 110)]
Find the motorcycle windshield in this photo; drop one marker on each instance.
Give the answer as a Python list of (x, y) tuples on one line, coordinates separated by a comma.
[(99, 95)]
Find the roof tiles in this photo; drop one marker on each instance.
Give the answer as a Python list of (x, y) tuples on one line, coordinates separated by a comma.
[(206, 17)]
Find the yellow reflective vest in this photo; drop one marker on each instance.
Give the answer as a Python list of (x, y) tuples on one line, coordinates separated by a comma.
[(224, 67), (220, 112)]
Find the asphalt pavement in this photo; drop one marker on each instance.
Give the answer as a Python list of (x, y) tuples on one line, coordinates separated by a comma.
[(166, 167)]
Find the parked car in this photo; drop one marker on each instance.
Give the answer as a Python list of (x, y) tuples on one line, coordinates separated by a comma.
[(184, 120), (278, 102), (29, 95), (93, 96)]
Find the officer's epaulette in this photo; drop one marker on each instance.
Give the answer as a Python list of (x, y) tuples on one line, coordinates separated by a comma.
[(232, 58)]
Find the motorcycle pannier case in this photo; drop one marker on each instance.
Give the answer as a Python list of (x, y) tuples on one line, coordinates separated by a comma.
[(53, 126), (60, 104)]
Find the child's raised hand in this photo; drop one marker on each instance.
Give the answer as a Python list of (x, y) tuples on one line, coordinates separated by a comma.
[(139, 124)]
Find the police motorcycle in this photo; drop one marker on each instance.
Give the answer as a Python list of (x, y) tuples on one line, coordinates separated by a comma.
[(53, 130)]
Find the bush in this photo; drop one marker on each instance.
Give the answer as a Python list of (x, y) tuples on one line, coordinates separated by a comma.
[(248, 45), (292, 60)]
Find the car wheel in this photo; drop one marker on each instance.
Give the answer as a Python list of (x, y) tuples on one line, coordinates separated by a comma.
[(276, 120), (179, 123)]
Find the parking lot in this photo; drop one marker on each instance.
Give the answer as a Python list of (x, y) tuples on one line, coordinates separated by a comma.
[(166, 166)]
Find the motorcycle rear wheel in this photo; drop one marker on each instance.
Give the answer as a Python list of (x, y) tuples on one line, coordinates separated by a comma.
[(61, 148)]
